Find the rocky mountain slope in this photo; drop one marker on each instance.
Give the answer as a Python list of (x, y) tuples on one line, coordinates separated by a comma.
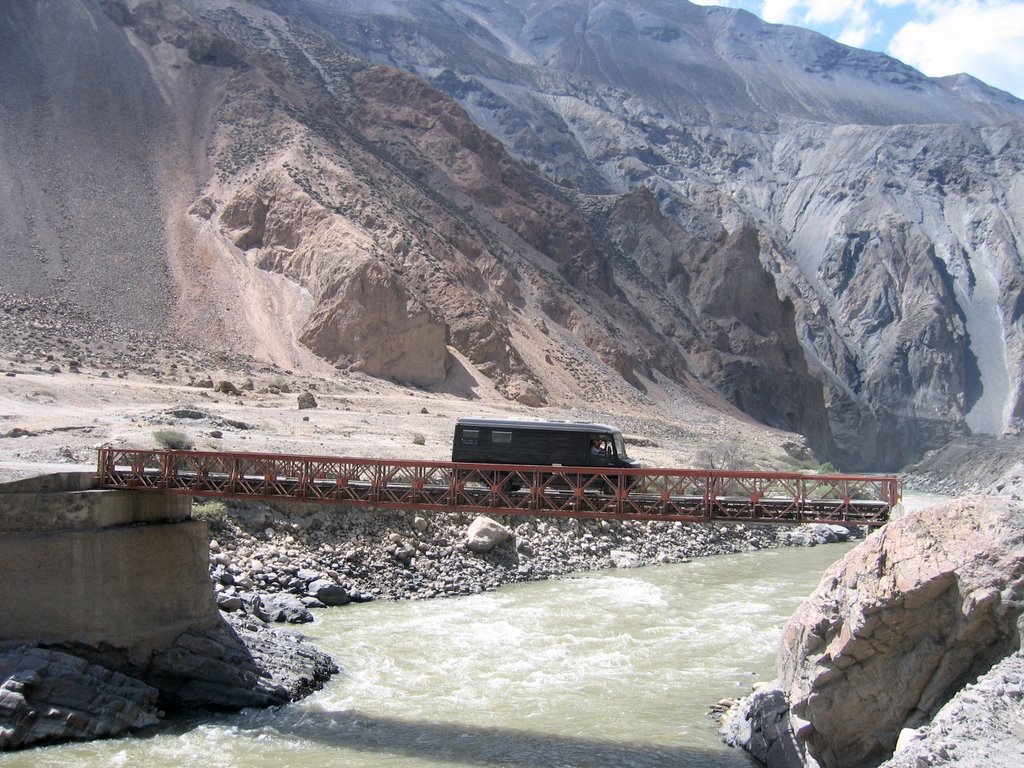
[(885, 204), (923, 614), (620, 203)]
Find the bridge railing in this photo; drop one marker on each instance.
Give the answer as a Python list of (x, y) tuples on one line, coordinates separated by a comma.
[(693, 495)]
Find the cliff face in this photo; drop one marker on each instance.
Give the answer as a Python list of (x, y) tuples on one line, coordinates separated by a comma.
[(887, 205), (896, 628), (744, 209)]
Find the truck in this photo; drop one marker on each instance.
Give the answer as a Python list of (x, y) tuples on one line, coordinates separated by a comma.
[(545, 443)]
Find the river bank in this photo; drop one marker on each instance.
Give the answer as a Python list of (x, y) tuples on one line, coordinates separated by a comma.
[(279, 561)]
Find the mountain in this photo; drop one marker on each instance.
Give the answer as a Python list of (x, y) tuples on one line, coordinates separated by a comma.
[(582, 201)]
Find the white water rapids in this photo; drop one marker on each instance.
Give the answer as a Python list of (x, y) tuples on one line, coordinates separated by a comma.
[(612, 669)]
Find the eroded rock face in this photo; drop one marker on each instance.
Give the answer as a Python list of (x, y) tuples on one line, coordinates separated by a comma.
[(49, 696), (900, 624), (837, 257), (370, 322)]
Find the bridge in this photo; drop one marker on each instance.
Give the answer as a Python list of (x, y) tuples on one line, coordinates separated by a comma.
[(686, 495)]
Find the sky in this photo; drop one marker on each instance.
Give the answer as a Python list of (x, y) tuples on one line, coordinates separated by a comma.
[(984, 38)]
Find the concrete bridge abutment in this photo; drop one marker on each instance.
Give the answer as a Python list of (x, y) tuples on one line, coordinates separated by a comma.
[(121, 570)]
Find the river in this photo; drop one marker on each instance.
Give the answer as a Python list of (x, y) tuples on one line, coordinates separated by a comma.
[(614, 669)]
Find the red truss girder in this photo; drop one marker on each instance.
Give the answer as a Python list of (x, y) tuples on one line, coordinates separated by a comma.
[(646, 494)]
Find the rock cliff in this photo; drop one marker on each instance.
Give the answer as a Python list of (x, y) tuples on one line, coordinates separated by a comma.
[(884, 203), (608, 201), (894, 630)]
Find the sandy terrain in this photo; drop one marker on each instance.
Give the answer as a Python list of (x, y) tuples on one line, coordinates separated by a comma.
[(69, 386)]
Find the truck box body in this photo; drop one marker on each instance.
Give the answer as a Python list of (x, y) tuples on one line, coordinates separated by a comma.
[(522, 441)]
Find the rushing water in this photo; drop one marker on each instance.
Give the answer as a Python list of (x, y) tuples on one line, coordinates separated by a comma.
[(614, 669)]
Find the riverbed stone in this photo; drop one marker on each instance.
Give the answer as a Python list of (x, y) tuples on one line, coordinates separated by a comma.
[(485, 534), (623, 558), (286, 608), (227, 602), (328, 592)]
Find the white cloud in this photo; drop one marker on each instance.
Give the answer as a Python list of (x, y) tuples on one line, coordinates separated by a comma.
[(779, 11), (857, 35), (983, 39), (810, 13), (828, 11)]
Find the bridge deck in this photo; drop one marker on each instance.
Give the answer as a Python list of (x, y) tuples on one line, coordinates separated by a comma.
[(688, 495)]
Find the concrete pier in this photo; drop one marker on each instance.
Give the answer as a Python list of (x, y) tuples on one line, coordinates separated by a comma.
[(121, 570)]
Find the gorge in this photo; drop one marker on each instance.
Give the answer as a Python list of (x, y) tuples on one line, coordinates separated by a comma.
[(819, 236)]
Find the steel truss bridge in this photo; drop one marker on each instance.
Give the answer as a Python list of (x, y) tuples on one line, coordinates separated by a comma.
[(687, 495)]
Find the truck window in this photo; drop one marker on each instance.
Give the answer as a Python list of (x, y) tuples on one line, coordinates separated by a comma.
[(471, 437), (620, 446), (501, 437)]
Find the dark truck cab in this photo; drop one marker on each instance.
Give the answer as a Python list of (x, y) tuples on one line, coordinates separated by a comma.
[(523, 441)]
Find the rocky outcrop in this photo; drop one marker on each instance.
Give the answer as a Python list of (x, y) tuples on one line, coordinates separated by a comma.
[(981, 727), (239, 662), (894, 630), (48, 696), (368, 321)]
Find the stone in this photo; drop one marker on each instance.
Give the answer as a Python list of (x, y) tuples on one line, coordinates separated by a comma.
[(306, 401), (284, 608), (328, 592), (898, 624), (227, 388), (229, 602), (485, 534), (622, 558)]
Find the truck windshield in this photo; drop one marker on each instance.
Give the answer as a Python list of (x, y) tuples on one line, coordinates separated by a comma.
[(620, 445)]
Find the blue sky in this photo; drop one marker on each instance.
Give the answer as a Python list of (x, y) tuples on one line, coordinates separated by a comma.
[(984, 38)]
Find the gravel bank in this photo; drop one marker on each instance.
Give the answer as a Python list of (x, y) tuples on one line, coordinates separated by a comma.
[(305, 556)]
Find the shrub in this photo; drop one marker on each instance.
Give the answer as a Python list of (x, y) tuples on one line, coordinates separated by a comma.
[(210, 511), (720, 456), (173, 440)]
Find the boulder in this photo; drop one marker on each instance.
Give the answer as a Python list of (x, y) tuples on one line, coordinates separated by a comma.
[(228, 602), (287, 608), (622, 558), (226, 388), (48, 696), (328, 592), (238, 662), (897, 627), (485, 534)]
